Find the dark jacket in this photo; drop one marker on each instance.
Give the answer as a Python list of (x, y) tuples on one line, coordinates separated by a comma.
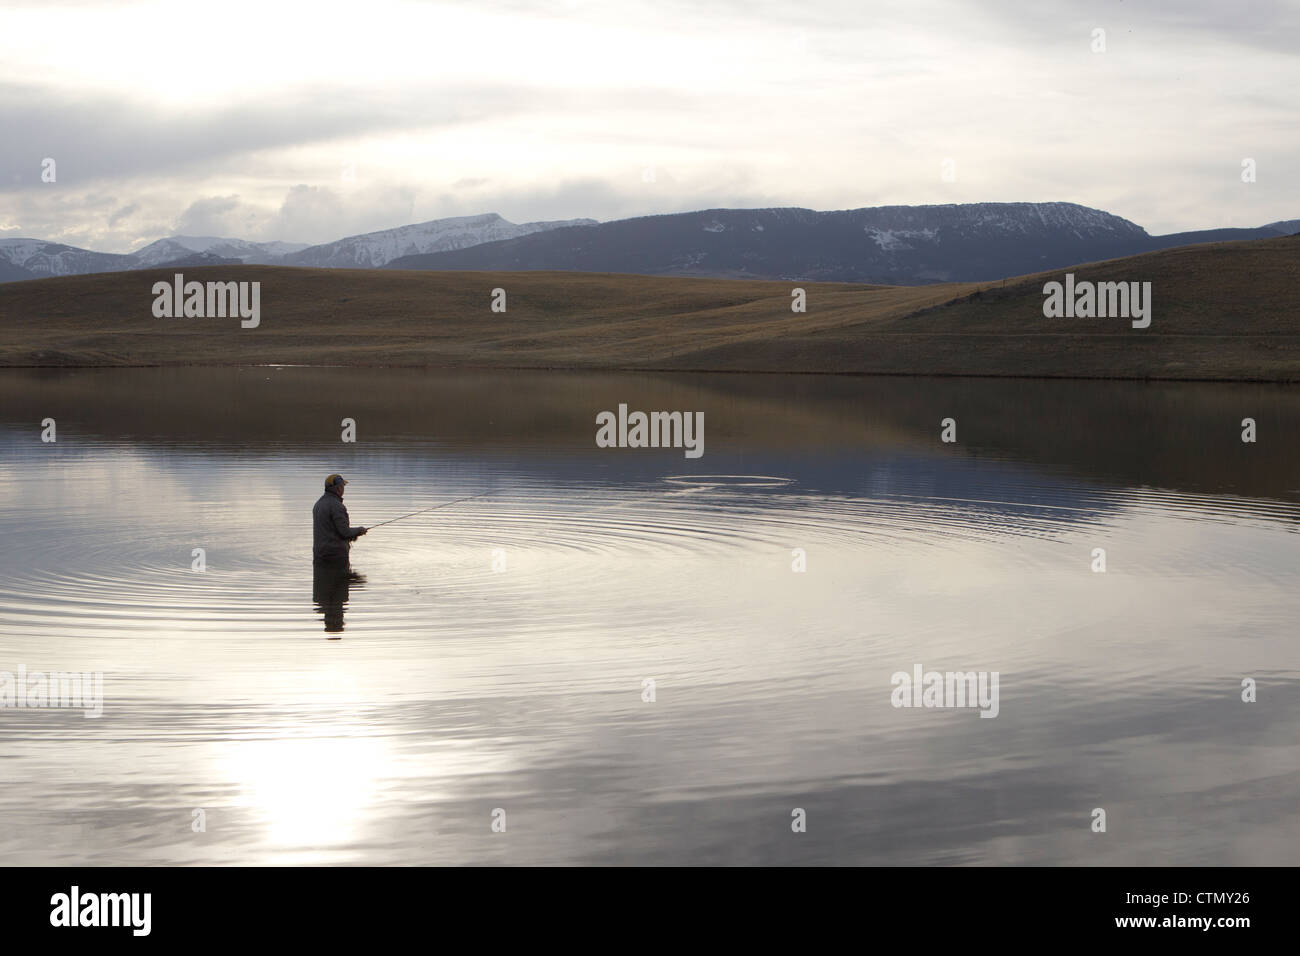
[(330, 534)]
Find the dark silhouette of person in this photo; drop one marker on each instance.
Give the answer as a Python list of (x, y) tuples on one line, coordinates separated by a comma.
[(332, 537)]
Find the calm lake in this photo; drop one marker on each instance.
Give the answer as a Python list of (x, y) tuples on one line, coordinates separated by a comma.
[(618, 656)]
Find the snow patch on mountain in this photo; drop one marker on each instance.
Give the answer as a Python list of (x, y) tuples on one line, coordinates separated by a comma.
[(41, 258), (376, 249), (18, 251), (180, 247), (893, 240), (962, 220)]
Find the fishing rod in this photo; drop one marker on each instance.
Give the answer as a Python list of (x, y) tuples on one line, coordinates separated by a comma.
[(445, 504)]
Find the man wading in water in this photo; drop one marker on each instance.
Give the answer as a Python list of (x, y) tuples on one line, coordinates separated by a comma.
[(331, 538)]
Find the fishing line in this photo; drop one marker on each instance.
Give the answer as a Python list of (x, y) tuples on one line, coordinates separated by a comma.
[(445, 504)]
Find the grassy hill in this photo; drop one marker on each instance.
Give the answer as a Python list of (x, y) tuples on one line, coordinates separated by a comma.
[(1228, 311), (1221, 311)]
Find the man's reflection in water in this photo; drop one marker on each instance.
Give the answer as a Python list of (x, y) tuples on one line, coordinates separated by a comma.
[(331, 582)]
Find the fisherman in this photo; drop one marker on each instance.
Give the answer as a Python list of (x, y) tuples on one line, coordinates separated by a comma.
[(331, 536)]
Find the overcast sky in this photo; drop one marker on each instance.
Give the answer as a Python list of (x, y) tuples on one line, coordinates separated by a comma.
[(309, 121)]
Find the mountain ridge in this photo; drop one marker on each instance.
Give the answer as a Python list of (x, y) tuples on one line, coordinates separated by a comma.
[(376, 249), (889, 245), (22, 258), (897, 244)]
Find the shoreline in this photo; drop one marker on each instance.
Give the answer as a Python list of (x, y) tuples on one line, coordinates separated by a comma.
[(656, 370)]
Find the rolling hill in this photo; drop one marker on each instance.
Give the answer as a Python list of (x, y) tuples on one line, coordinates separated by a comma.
[(1228, 311)]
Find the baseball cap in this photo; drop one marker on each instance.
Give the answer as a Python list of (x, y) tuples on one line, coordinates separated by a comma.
[(335, 480)]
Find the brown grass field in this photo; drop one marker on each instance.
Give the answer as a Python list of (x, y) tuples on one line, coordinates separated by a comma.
[(1222, 311)]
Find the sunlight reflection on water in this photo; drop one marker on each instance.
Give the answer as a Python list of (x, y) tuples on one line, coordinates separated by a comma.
[(494, 654)]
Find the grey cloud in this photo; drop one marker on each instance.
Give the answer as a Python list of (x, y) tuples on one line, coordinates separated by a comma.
[(317, 214), (1161, 152), (1163, 28), (124, 213), (595, 198), (213, 216), (102, 138)]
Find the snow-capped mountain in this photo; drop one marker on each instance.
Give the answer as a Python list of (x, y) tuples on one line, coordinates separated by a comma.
[(181, 247), (376, 249), (35, 258), (885, 244), (39, 259)]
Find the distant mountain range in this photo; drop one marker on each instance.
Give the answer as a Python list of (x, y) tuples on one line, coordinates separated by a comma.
[(376, 249), (167, 251), (896, 245), (36, 259), (893, 245)]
